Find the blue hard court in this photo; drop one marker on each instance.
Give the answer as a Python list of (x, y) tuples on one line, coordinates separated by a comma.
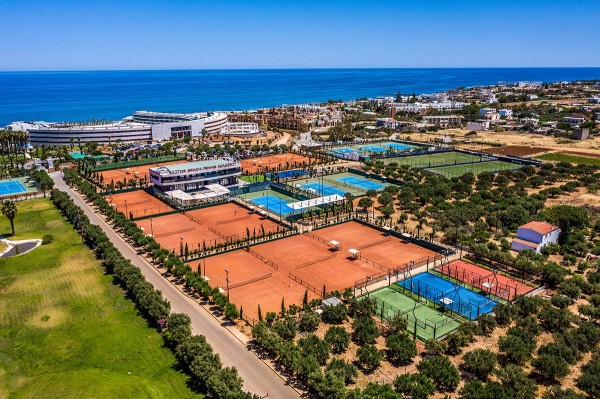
[(287, 174), (323, 189), (463, 301), (362, 183), (273, 204), (373, 148), (12, 187), (398, 146)]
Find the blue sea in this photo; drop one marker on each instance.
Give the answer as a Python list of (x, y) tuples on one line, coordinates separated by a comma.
[(83, 95)]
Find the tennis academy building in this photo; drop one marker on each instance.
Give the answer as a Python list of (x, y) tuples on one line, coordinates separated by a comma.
[(194, 176)]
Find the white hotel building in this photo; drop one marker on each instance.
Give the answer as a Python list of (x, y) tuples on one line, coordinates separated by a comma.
[(141, 126), (194, 176)]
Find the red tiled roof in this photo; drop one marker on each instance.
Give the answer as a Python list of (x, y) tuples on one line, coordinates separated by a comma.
[(542, 228), (528, 243)]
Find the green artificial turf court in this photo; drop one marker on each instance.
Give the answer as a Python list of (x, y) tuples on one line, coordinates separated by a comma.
[(66, 331), (475, 168), (429, 323), (436, 159)]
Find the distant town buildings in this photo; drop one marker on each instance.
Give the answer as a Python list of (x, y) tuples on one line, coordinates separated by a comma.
[(443, 120), (479, 125)]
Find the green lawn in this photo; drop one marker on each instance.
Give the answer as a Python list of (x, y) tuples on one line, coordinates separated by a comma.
[(570, 158), (66, 331), (253, 178)]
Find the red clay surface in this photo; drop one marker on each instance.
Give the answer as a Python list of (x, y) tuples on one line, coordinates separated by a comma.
[(139, 203), (305, 263), (206, 227), (134, 172), (394, 253), (476, 276), (278, 162), (271, 286)]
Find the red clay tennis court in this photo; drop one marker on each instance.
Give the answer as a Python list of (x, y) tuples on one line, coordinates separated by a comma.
[(252, 282), (133, 172), (283, 161), (485, 279), (203, 228), (234, 221), (287, 268), (385, 249), (313, 262), (137, 203)]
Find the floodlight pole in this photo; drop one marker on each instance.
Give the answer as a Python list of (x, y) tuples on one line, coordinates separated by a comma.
[(227, 281)]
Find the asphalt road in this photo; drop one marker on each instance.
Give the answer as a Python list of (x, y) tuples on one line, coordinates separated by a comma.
[(258, 377)]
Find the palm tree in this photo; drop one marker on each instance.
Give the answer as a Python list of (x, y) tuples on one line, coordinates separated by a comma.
[(9, 209)]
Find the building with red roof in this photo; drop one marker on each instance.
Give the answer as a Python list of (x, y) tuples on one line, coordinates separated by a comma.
[(534, 236)]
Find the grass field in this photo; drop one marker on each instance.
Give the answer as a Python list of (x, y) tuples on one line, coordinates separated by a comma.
[(438, 159), (570, 158), (253, 178), (475, 168), (429, 322), (142, 161), (66, 331)]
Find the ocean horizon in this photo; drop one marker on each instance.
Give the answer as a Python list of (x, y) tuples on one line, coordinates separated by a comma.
[(56, 96)]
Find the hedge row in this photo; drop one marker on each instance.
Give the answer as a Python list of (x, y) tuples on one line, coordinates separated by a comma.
[(193, 352)]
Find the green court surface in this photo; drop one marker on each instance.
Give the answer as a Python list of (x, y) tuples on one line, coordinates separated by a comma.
[(475, 168), (428, 322), (437, 159), (267, 193)]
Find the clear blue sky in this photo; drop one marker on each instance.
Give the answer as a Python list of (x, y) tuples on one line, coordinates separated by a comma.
[(107, 34)]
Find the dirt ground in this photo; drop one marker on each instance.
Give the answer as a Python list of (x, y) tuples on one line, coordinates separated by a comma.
[(513, 138)]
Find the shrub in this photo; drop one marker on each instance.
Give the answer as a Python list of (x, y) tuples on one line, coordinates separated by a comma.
[(47, 239), (401, 349), (365, 330), (414, 386), (369, 357), (286, 328), (517, 346), (338, 338), (480, 363), (487, 324), (558, 393), (517, 383), (315, 347), (441, 371), (346, 371), (309, 321), (334, 314)]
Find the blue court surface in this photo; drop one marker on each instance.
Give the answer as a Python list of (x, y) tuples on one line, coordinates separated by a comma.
[(344, 150), (449, 295), (323, 189), (12, 187), (362, 183), (273, 204), (288, 174), (398, 146), (373, 148)]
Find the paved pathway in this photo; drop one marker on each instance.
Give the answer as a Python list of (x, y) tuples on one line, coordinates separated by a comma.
[(258, 377)]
